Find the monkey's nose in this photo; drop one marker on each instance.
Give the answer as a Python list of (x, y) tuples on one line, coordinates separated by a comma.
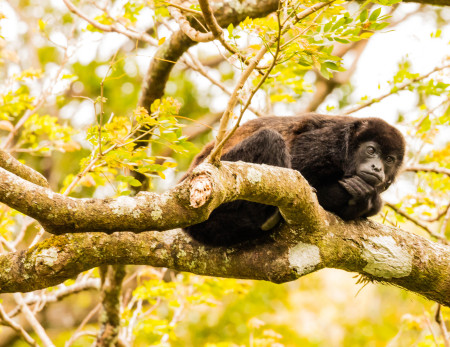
[(376, 168)]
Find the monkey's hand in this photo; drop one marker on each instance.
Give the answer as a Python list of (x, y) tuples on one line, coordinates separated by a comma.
[(358, 189)]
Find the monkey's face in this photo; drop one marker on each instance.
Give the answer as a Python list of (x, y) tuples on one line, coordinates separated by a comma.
[(374, 166)]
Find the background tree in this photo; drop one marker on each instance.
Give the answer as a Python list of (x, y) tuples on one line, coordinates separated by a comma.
[(105, 99)]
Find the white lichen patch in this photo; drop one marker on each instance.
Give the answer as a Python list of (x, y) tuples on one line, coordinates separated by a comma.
[(385, 258), (123, 205), (156, 213), (254, 176), (50, 194), (304, 258), (136, 213), (169, 237), (47, 257)]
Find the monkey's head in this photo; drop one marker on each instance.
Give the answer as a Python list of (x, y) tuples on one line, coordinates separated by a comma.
[(376, 150)]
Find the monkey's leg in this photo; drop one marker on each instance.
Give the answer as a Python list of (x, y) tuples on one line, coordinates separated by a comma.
[(241, 220)]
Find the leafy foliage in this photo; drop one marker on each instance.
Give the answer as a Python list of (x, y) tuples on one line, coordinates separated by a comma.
[(57, 63)]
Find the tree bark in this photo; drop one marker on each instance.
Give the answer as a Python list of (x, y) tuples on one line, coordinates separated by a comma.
[(311, 238)]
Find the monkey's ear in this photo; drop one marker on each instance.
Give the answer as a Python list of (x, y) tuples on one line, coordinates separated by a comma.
[(350, 135), (360, 126)]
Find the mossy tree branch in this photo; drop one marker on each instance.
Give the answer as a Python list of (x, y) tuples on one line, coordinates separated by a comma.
[(149, 211), (311, 239), (379, 252)]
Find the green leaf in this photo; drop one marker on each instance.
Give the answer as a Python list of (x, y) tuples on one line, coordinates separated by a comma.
[(363, 15), (338, 24), (135, 183), (332, 66), (325, 73), (374, 15), (327, 26), (380, 26)]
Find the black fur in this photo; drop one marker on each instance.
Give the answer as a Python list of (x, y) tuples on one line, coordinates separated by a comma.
[(343, 158)]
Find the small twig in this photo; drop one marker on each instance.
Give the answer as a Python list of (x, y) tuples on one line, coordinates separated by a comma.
[(129, 336), (445, 221), (184, 9), (440, 320), (175, 319), (416, 222), (424, 168), (79, 176), (394, 90), (430, 327), (141, 36), (89, 316), (215, 153), (197, 66), (38, 103), (100, 121), (57, 295), (186, 27), (38, 236), (17, 327), (37, 327), (195, 35), (438, 216), (212, 24), (267, 73)]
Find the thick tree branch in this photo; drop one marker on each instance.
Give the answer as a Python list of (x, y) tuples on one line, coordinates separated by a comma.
[(149, 211), (11, 164), (310, 240), (379, 252)]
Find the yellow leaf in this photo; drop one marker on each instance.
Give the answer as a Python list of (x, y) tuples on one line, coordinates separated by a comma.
[(42, 25), (161, 41), (169, 164), (365, 35)]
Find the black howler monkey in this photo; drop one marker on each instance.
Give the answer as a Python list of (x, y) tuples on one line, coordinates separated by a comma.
[(349, 161)]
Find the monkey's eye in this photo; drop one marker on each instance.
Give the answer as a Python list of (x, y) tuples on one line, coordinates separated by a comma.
[(390, 159), (370, 150)]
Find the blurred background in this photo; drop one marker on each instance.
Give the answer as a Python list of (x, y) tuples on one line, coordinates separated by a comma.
[(62, 78)]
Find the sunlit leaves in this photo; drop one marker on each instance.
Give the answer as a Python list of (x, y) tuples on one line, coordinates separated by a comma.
[(7, 222), (131, 10), (43, 134), (165, 303), (14, 103), (307, 44), (121, 150)]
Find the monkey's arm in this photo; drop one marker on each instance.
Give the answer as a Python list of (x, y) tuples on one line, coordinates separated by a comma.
[(349, 198)]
